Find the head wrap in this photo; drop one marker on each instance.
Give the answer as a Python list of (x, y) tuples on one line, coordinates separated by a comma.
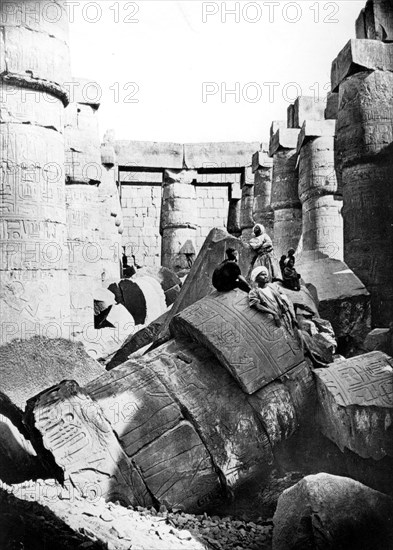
[(255, 272), (260, 226)]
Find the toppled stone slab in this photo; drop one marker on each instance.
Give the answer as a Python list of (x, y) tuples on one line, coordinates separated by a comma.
[(356, 404), (30, 366), (332, 513), (74, 429), (136, 342), (246, 342), (343, 299), (199, 281), (375, 21), (169, 281), (359, 56)]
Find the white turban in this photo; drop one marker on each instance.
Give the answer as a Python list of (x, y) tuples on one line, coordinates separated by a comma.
[(255, 272)]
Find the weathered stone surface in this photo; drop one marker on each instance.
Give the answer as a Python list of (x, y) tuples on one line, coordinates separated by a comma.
[(246, 213), (149, 154), (248, 344), (379, 339), (359, 56), (136, 403), (316, 129), (318, 190), (284, 196), (364, 137), (169, 281), (30, 366), (263, 175), (234, 217), (307, 108), (74, 430), (219, 409), (332, 513), (331, 111), (355, 399), (219, 155), (33, 268), (343, 299), (375, 21), (178, 221), (277, 125), (199, 281), (178, 470)]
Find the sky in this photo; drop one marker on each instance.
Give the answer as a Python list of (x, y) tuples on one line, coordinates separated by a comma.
[(192, 71)]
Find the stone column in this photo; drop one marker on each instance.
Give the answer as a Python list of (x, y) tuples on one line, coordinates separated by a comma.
[(178, 222), (262, 167), (110, 237), (362, 74), (34, 64), (321, 205), (285, 199), (247, 204), (235, 208), (83, 175)]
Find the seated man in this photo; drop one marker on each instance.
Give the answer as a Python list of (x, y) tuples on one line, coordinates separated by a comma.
[(227, 276), (290, 277), (267, 298)]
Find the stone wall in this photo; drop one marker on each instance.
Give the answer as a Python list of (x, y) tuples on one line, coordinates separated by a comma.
[(212, 211)]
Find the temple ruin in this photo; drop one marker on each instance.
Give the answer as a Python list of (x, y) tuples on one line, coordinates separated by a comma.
[(154, 390)]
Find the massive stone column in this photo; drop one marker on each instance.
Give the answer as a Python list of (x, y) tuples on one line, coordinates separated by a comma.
[(178, 220), (321, 203), (362, 74), (83, 175), (34, 70), (284, 198), (110, 227), (262, 167)]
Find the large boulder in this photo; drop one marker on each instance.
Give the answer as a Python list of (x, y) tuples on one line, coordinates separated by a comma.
[(326, 512)]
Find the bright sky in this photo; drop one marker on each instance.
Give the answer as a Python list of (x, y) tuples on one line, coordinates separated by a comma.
[(166, 54)]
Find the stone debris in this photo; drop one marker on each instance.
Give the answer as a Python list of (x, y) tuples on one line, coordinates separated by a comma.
[(92, 523)]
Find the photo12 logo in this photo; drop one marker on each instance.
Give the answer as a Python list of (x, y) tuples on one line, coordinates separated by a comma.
[(269, 12)]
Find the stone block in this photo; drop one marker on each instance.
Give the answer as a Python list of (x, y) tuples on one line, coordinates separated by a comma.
[(308, 108), (73, 428), (277, 125), (246, 342), (355, 402), (219, 155), (260, 161), (375, 21), (343, 299), (284, 138), (314, 129), (331, 111), (149, 154), (291, 116), (360, 56), (332, 513)]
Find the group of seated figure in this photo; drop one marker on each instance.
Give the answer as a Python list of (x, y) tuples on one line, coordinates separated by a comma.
[(265, 293)]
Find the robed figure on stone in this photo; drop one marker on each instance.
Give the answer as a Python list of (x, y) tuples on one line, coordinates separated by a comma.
[(262, 244)]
